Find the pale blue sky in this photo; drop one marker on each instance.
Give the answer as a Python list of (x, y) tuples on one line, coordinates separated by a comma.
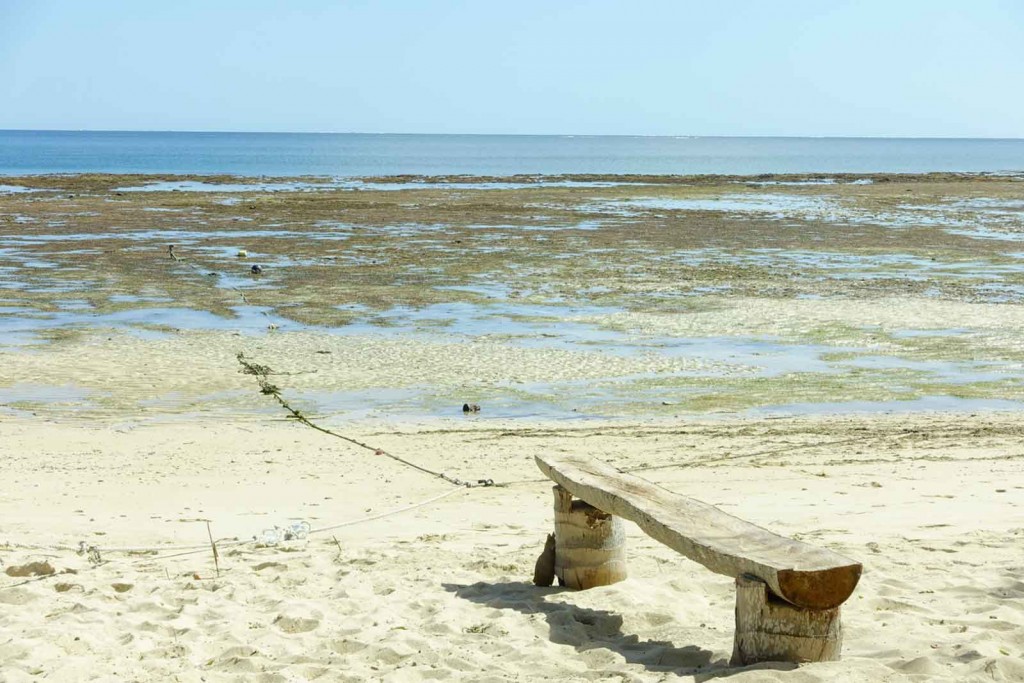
[(730, 67)]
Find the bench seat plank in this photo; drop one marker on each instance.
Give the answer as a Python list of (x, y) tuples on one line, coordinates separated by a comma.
[(801, 574)]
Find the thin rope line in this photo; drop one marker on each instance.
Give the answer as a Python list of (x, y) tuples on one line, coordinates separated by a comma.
[(387, 514), (261, 372), (224, 543)]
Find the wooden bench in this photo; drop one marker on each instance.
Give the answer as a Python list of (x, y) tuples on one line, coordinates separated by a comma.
[(788, 592)]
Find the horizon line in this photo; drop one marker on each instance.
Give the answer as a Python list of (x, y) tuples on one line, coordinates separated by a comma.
[(533, 135)]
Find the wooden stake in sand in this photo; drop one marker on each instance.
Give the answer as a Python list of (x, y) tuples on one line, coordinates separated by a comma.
[(213, 547), (544, 570)]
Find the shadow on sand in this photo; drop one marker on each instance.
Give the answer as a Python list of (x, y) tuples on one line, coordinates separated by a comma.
[(587, 629)]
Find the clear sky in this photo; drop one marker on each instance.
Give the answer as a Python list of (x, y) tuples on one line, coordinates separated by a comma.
[(672, 67)]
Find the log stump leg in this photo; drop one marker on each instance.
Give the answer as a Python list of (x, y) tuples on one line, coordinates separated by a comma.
[(768, 629), (590, 545)]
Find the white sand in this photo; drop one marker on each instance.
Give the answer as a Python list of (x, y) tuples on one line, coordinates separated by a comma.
[(932, 505)]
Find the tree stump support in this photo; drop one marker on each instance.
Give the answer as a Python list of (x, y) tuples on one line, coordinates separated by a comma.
[(768, 629), (590, 545), (788, 593)]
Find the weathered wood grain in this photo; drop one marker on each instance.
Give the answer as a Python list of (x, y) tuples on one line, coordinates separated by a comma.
[(801, 574)]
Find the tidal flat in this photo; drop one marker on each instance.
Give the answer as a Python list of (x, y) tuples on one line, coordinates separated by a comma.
[(564, 297)]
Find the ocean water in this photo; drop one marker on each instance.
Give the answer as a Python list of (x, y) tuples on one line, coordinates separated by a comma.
[(357, 155)]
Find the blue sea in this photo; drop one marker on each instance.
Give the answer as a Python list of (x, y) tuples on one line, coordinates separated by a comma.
[(355, 155)]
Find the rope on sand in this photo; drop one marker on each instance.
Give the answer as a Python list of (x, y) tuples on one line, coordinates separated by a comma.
[(386, 514), (317, 530), (96, 560), (261, 372)]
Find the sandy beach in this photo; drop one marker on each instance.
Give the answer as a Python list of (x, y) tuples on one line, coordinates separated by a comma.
[(930, 504), (711, 335)]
